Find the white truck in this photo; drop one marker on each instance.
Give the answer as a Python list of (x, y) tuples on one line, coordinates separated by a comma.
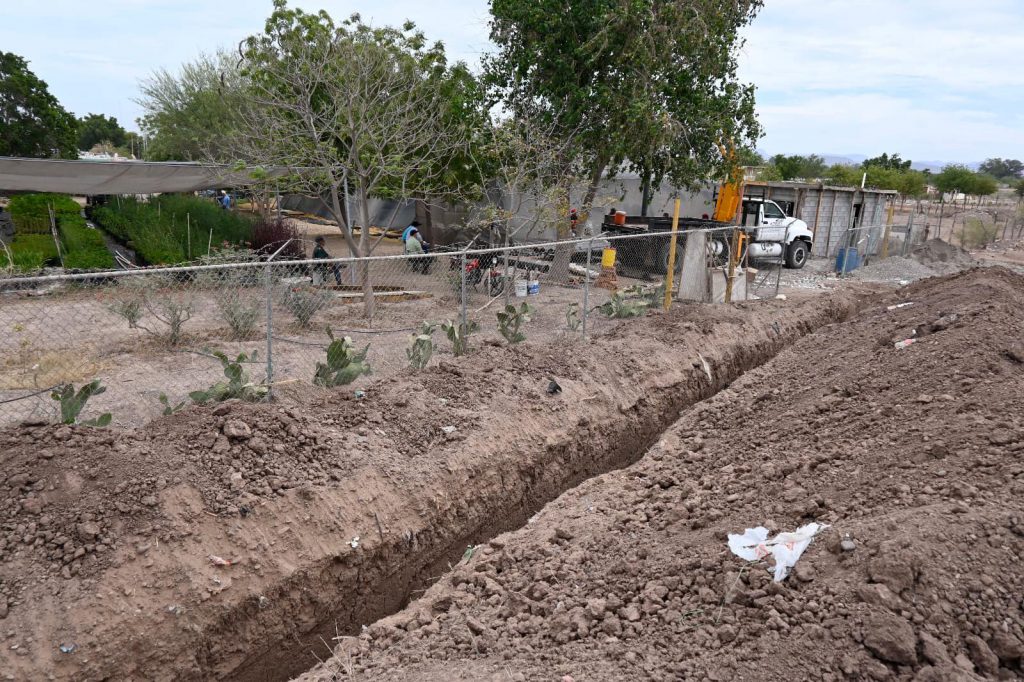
[(770, 233), (773, 234)]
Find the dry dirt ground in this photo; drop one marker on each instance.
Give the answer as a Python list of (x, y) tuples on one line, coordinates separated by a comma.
[(236, 541), (912, 456)]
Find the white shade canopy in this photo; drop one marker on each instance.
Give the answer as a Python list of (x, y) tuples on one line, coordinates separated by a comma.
[(113, 177)]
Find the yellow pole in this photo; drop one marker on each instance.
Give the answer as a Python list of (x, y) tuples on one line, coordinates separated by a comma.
[(888, 230), (670, 275)]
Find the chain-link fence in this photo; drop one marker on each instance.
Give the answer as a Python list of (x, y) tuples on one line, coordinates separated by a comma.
[(156, 339)]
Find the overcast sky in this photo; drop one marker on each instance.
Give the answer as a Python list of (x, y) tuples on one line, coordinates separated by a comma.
[(934, 80)]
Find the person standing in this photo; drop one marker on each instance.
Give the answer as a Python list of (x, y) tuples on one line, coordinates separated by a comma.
[(320, 253)]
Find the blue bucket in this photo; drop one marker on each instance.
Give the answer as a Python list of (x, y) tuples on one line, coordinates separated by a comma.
[(847, 259)]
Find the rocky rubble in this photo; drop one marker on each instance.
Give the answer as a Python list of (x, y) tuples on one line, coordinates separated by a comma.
[(912, 456)]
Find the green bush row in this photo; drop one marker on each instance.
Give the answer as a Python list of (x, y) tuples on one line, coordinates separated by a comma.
[(30, 252), (172, 228), (84, 247)]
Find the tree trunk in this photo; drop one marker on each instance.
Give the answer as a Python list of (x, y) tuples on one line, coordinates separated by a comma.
[(563, 253), (369, 304), (645, 195)]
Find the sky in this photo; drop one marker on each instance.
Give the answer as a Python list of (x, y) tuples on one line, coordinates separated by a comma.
[(932, 80)]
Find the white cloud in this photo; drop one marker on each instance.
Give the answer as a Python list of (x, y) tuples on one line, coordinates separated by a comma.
[(874, 123), (934, 79), (931, 78)]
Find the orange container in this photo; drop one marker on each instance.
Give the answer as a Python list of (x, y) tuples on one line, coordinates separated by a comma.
[(620, 217)]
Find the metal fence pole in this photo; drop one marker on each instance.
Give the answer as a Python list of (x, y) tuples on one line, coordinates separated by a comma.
[(270, 319), (270, 332), (586, 288), (463, 297)]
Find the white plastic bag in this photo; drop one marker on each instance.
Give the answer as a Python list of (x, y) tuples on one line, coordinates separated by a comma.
[(786, 548)]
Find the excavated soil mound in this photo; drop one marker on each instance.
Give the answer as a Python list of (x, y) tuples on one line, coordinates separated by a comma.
[(913, 456), (938, 251), (235, 542)]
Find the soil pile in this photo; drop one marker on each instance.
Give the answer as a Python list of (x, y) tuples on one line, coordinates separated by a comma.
[(234, 541), (914, 456)]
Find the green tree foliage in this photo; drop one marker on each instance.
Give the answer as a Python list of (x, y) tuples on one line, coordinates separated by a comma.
[(1019, 189), (887, 162), (95, 129), (747, 155), (646, 83), (799, 167), (190, 116), (955, 178), (983, 185), (1003, 169), (32, 121), (842, 175)]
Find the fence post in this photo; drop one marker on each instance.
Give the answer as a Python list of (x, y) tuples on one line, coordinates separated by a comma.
[(270, 332), (670, 275), (888, 230), (586, 288), (270, 319), (463, 297)]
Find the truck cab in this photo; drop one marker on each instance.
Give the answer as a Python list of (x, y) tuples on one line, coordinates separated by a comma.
[(773, 233)]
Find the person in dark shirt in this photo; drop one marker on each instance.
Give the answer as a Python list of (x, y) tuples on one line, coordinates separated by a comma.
[(320, 253)]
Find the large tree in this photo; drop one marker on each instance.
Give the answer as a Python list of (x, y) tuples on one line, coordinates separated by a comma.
[(94, 129), (378, 108), (193, 114), (893, 162), (646, 83), (1003, 169), (32, 121), (799, 167)]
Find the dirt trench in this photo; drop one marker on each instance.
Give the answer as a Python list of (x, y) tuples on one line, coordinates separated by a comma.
[(912, 456), (166, 503), (505, 498)]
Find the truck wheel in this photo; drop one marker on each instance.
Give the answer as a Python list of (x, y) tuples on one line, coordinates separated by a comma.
[(796, 254), (661, 263)]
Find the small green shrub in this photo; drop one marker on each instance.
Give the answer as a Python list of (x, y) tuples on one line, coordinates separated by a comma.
[(633, 302), (241, 311), (238, 384), (72, 403), (344, 365), (304, 304), (976, 233), (422, 348), (511, 320), (173, 310), (168, 408), (128, 308), (459, 335), (572, 317)]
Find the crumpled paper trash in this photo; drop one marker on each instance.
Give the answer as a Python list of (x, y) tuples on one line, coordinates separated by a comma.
[(786, 548)]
